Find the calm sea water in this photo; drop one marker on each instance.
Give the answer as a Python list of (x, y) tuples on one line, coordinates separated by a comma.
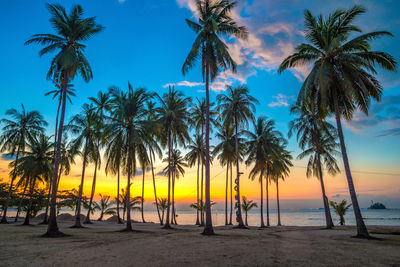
[(304, 217)]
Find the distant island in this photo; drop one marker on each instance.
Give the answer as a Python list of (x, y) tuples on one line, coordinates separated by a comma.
[(377, 206)]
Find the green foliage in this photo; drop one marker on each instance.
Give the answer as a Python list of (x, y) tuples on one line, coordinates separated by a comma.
[(340, 209)]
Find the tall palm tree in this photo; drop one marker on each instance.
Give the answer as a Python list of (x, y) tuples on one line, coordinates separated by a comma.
[(237, 108), (128, 129), (174, 119), (317, 138), (21, 128), (225, 153), (281, 162), (36, 165), (144, 163), (247, 205), (85, 126), (71, 30), (214, 21), (194, 155), (176, 169), (342, 78), (259, 149), (153, 131)]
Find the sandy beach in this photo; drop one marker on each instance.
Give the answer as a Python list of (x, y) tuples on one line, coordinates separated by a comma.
[(101, 244)]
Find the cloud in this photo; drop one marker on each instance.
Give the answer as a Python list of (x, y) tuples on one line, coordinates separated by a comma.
[(161, 173), (121, 1), (281, 100), (184, 83), (385, 113)]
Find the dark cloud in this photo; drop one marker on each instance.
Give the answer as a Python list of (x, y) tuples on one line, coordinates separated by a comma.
[(161, 173), (7, 156)]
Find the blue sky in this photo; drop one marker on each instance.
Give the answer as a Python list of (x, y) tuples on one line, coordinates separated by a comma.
[(146, 42)]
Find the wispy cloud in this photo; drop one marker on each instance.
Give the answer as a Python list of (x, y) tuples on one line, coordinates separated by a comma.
[(121, 1), (183, 83), (281, 100)]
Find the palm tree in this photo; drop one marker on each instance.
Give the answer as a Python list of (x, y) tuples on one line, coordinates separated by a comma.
[(214, 21), (237, 108), (105, 206), (317, 138), (153, 131), (281, 162), (36, 165), (340, 209), (16, 132), (176, 169), (133, 202), (162, 205), (144, 163), (174, 119), (247, 206), (72, 29), (195, 155), (342, 77), (225, 153), (259, 149), (128, 129), (85, 126)]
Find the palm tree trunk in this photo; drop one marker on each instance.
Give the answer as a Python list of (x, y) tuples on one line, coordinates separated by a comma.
[(202, 180), (101, 216), (226, 194), (128, 193), (45, 219), (246, 218), (230, 215), (277, 201), (52, 229), (5, 207), (87, 219), (142, 200), (154, 187), (328, 217), (262, 198), (20, 203), (118, 215), (162, 218), (28, 211), (197, 210), (239, 218), (173, 198), (79, 201), (167, 225), (361, 228), (208, 229), (267, 198)]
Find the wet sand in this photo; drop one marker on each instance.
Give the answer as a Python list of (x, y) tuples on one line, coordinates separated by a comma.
[(100, 244)]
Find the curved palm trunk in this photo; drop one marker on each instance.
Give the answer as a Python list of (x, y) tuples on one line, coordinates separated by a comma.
[(262, 200), (101, 216), (128, 194), (154, 187), (361, 228), (52, 229), (277, 202), (45, 219), (239, 218), (118, 215), (167, 225), (208, 229), (87, 219), (173, 199), (20, 202), (202, 179), (328, 217), (142, 200), (79, 201), (162, 218), (226, 194), (28, 211), (197, 210), (231, 211), (5, 207), (267, 198)]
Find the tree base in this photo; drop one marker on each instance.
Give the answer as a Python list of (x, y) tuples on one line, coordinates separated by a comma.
[(240, 226), (167, 226), (208, 231), (77, 226), (4, 220), (45, 222), (54, 234), (87, 222)]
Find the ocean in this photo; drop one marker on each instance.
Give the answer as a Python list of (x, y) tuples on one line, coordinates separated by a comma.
[(302, 217)]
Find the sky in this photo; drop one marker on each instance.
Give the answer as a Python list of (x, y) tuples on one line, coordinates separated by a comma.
[(146, 43)]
